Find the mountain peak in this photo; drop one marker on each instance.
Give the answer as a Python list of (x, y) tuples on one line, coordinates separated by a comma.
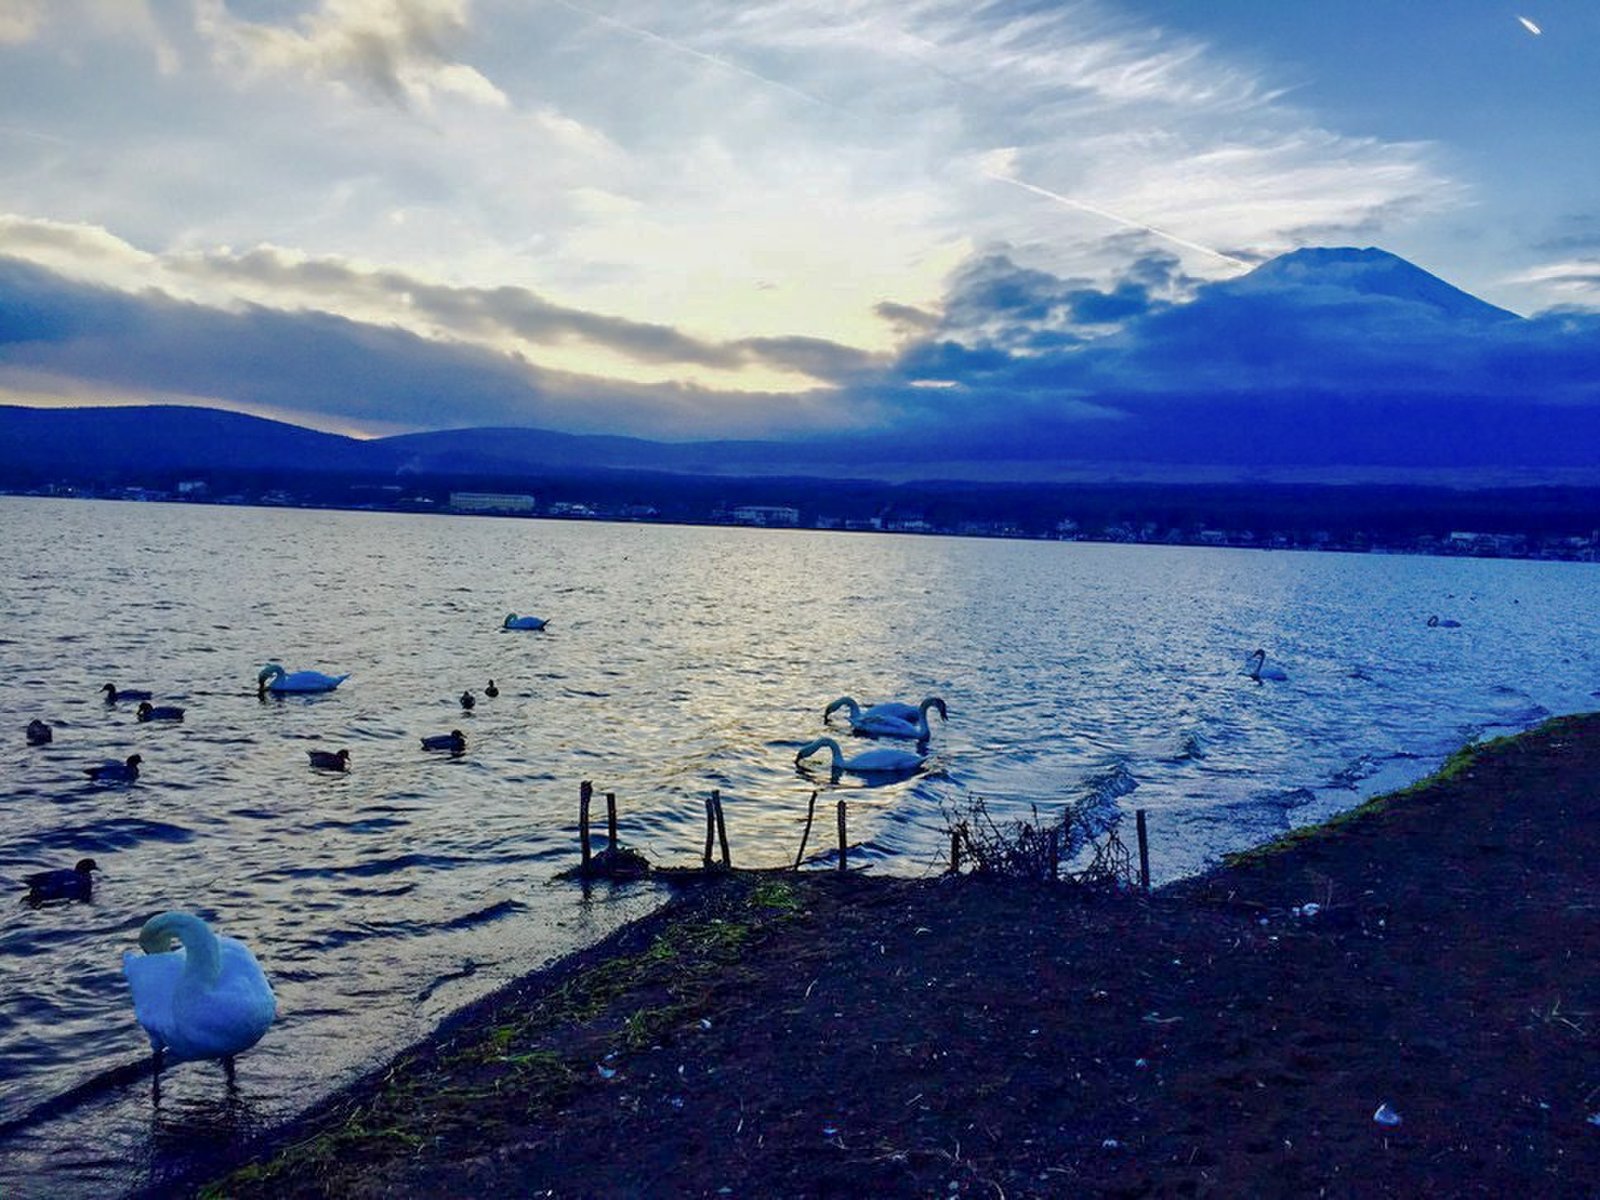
[(1370, 271)]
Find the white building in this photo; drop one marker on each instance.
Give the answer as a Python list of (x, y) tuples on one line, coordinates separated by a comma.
[(491, 502)]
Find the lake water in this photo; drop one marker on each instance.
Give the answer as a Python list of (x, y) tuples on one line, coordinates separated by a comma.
[(677, 660)]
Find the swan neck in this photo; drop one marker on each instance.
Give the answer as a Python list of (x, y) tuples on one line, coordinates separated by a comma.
[(202, 950)]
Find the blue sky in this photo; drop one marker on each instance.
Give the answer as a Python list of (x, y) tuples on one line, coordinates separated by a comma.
[(743, 219)]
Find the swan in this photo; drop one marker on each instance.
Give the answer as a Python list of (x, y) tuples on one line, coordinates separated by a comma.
[(76, 884), (1257, 667), (39, 734), (273, 678), (876, 724), (873, 762), (491, 691), (208, 999), (113, 695), (116, 772), (1447, 623), (455, 741), (327, 760), (468, 700), (165, 712), (889, 708), (515, 622)]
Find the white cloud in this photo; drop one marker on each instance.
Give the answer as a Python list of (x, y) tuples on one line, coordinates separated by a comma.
[(397, 49), (1572, 282)]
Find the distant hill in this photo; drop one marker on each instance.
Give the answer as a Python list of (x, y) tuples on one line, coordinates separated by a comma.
[(1369, 272)]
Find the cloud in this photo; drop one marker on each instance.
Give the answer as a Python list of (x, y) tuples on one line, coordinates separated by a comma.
[(1575, 281), (398, 50)]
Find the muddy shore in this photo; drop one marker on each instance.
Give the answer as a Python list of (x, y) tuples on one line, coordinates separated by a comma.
[(823, 1035)]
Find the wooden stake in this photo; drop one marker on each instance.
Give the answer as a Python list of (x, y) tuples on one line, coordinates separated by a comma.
[(722, 828), (711, 832), (844, 845), (1144, 851), (611, 823), (811, 812), (585, 794), (955, 851)]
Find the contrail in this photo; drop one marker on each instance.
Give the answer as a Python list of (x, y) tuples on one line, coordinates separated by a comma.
[(1119, 219), (725, 64)]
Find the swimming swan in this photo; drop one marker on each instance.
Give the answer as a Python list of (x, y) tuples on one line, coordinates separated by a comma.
[(873, 762), (1447, 623), (125, 771), (273, 678), (889, 708), (1257, 667), (113, 695), (165, 712), (208, 999), (515, 622), (877, 724)]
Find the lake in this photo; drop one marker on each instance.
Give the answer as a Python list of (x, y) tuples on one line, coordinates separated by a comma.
[(677, 660)]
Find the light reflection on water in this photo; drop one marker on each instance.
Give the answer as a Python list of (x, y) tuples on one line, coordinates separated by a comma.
[(677, 660)]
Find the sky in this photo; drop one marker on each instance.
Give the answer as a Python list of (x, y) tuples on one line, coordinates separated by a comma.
[(750, 219)]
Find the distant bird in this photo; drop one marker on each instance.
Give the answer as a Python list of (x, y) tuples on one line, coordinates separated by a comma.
[(76, 884), (113, 695), (455, 741), (166, 712), (873, 762), (468, 700), (889, 708), (1435, 623), (873, 724), (207, 999), (1257, 667), (328, 760), (39, 734), (273, 678), (116, 772), (491, 691), (515, 622)]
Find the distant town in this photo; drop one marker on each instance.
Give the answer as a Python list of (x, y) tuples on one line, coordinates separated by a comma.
[(1352, 520)]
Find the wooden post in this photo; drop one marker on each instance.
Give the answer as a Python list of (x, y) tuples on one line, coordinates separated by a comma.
[(722, 828), (955, 851), (585, 794), (844, 845), (611, 824), (711, 833), (1144, 851), (811, 812)]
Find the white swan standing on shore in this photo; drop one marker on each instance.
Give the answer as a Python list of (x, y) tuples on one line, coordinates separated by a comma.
[(273, 678), (883, 761), (882, 724), (513, 621), (208, 999), (1258, 668)]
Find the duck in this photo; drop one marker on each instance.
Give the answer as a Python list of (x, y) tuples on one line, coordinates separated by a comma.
[(455, 741), (882, 724), (468, 700), (1257, 667), (513, 621), (889, 708), (1434, 622), (208, 999), (491, 691), (883, 761), (329, 760), (76, 884), (113, 695), (39, 734), (125, 771), (273, 678), (165, 712)]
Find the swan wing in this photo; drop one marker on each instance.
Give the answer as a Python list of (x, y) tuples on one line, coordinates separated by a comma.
[(895, 710), (882, 725), (154, 980), (885, 760)]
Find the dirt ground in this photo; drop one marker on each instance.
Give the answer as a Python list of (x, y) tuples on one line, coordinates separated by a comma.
[(815, 1035)]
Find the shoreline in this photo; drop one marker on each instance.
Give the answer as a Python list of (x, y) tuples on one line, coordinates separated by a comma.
[(763, 1032)]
